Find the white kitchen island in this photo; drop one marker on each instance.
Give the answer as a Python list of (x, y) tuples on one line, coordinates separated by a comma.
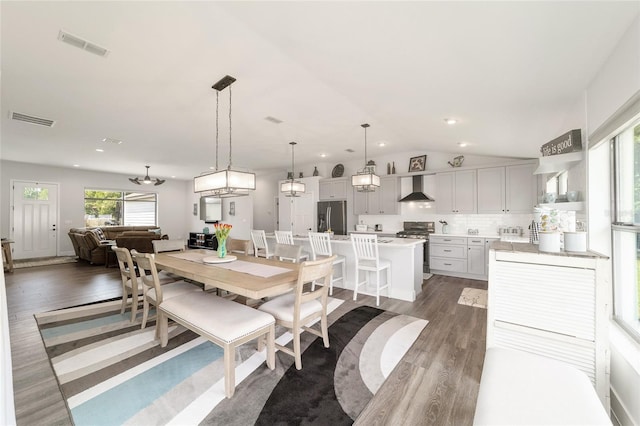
[(405, 255)]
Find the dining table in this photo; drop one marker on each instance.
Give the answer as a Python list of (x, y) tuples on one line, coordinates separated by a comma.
[(248, 276)]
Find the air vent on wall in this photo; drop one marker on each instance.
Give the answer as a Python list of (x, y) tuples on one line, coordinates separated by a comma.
[(31, 119), (273, 120), (349, 150), (82, 44)]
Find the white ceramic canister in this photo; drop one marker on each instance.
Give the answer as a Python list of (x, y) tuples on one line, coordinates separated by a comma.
[(549, 241), (575, 241)]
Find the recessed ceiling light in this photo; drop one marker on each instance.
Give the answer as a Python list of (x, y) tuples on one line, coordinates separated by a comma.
[(99, 149), (450, 121), (111, 140), (173, 177), (381, 144), (462, 144), (323, 155), (212, 167), (76, 165)]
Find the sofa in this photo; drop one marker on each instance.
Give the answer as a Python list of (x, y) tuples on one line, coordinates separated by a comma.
[(91, 244)]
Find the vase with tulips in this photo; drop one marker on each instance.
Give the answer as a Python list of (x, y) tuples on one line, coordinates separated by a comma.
[(222, 232)]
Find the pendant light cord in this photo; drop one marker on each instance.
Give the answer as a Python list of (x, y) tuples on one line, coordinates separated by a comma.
[(365, 148), (217, 106), (229, 127)]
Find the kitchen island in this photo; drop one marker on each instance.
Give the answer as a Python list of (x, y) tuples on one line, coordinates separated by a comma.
[(405, 255)]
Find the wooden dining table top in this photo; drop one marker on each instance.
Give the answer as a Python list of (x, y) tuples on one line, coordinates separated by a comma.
[(244, 284)]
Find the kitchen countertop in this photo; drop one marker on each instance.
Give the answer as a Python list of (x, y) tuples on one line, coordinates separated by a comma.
[(436, 234), (382, 241), (533, 248)]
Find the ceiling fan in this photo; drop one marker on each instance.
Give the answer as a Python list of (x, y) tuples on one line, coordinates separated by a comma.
[(147, 180)]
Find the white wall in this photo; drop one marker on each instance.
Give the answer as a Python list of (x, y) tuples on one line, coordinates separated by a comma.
[(174, 197), (616, 82)]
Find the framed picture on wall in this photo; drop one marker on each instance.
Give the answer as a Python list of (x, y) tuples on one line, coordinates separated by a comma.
[(417, 164)]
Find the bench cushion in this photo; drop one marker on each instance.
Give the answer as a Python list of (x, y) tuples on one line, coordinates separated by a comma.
[(224, 319), (519, 388)]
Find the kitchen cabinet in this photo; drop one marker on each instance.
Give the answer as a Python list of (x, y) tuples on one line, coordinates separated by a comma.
[(383, 200), (557, 306), (476, 260), (333, 189), (447, 254), (456, 192), (460, 256), (508, 189)]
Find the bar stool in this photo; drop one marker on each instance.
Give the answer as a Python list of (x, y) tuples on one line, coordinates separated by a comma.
[(365, 248), (320, 248), (260, 246)]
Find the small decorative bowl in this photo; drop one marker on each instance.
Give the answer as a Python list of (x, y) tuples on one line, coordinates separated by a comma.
[(572, 196), (549, 197)]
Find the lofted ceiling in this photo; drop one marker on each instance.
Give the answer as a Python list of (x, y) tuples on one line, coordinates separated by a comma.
[(511, 73)]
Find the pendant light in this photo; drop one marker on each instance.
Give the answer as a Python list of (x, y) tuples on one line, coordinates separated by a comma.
[(147, 180), (228, 182), (292, 188), (365, 180)]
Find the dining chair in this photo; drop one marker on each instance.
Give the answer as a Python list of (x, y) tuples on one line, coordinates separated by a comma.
[(161, 246), (286, 237), (365, 248), (130, 284), (297, 309), (155, 292), (238, 246), (320, 248), (260, 246), (287, 252)]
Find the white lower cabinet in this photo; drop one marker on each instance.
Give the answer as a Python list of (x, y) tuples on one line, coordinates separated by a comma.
[(459, 256)]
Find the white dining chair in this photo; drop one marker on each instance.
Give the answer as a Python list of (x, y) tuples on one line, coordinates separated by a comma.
[(365, 248), (320, 243), (298, 308), (260, 246), (286, 237), (154, 292), (287, 252)]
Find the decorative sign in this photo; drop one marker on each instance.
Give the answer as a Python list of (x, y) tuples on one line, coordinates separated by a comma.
[(569, 142)]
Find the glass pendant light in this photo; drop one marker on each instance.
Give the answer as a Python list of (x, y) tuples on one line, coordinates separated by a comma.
[(365, 180), (292, 187), (227, 182)]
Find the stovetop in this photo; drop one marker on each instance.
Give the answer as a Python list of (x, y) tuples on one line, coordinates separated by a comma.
[(417, 230)]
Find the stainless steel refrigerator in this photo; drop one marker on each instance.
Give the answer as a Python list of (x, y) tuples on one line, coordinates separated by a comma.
[(332, 215)]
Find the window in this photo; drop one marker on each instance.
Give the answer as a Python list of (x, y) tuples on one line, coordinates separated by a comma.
[(112, 207), (626, 228)]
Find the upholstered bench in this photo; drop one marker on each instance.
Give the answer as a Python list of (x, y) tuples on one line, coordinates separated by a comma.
[(519, 388), (227, 324)]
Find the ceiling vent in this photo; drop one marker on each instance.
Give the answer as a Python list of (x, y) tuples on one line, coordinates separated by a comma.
[(31, 119), (82, 44), (349, 150), (113, 141)]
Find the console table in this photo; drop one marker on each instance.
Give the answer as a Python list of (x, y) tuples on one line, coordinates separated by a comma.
[(6, 255), (199, 240)]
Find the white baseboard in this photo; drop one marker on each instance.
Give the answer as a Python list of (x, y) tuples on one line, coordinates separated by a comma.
[(619, 412)]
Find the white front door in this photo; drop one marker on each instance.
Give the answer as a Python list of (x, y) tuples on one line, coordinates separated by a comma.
[(35, 217)]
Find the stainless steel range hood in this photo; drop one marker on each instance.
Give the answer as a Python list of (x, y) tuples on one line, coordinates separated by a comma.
[(417, 194)]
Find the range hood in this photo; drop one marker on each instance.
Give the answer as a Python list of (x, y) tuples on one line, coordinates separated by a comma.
[(417, 194), (557, 163)]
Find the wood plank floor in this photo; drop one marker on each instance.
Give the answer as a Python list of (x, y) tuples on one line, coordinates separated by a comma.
[(436, 383)]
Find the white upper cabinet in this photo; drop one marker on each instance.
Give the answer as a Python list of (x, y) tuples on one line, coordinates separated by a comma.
[(333, 189), (508, 189), (456, 192), (383, 200)]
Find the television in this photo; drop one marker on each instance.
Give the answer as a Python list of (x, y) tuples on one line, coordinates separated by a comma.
[(210, 209)]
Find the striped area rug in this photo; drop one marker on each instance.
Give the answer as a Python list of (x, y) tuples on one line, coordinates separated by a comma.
[(111, 372)]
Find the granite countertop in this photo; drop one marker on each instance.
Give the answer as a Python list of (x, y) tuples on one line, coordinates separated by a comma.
[(439, 234), (533, 248)]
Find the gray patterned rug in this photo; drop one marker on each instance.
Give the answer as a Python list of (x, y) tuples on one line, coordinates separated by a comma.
[(105, 364)]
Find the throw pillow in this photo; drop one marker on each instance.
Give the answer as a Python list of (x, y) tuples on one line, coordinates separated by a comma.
[(100, 234), (155, 231)]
